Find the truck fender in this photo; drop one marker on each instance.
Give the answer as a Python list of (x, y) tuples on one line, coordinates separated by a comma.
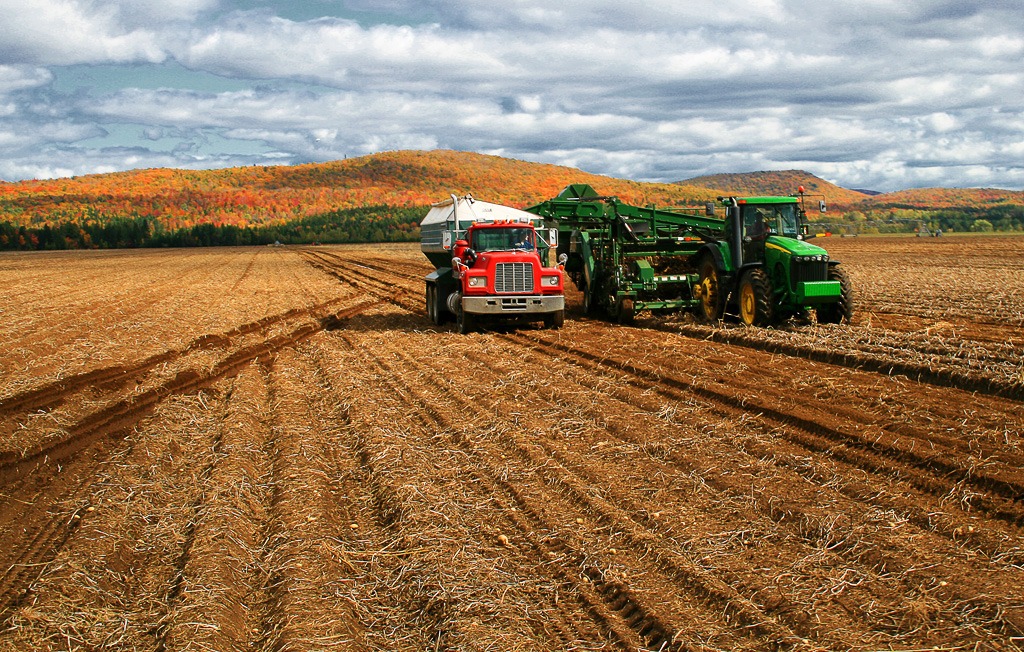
[(445, 282)]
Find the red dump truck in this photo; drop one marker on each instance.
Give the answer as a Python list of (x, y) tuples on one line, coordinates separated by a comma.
[(492, 265)]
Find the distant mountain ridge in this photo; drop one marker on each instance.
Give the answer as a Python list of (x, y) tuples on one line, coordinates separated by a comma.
[(781, 182), (275, 195)]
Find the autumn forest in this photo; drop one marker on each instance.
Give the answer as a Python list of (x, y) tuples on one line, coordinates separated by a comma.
[(382, 197)]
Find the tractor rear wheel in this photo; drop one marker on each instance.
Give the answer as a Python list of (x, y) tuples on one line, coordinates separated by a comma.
[(711, 300), (840, 312), (756, 298)]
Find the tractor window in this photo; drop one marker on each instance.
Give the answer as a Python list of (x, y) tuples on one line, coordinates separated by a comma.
[(761, 221)]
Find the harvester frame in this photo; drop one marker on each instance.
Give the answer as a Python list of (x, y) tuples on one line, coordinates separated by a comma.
[(626, 259)]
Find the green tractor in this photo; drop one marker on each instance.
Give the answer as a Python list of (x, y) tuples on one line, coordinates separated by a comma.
[(755, 263), (763, 266)]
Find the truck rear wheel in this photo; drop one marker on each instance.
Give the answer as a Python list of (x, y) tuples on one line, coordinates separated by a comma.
[(432, 304), (842, 310), (756, 298)]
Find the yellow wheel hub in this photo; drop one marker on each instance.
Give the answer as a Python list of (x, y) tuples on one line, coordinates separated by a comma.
[(748, 304)]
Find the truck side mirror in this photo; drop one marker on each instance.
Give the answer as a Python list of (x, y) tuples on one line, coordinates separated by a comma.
[(553, 237), (709, 209), (821, 206), (446, 239)]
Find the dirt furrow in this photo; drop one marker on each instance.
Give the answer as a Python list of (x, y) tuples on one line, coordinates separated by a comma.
[(217, 598), (507, 615), (623, 609), (877, 451), (782, 508), (931, 513), (109, 584)]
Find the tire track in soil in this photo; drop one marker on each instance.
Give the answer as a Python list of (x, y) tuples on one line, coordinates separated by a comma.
[(608, 621), (35, 480), (354, 274), (49, 396), (42, 534), (125, 413), (962, 533), (860, 360), (886, 557), (619, 610), (882, 456)]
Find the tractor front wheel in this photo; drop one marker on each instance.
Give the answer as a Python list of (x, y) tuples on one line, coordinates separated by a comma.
[(840, 312), (756, 298)]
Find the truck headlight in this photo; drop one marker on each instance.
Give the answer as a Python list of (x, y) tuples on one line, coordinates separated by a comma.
[(477, 281), (549, 281)]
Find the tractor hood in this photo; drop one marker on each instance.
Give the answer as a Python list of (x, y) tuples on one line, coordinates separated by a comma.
[(794, 247)]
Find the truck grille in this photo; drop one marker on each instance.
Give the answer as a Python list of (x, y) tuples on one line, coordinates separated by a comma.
[(513, 277), (813, 270)]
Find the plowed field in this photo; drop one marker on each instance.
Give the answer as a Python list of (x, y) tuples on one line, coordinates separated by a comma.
[(273, 449)]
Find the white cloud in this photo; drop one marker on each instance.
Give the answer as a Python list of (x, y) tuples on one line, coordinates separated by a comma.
[(888, 93), (63, 32)]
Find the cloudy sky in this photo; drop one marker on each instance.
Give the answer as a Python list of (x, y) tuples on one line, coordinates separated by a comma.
[(878, 94)]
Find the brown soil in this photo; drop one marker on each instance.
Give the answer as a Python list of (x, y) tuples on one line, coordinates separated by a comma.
[(274, 449)]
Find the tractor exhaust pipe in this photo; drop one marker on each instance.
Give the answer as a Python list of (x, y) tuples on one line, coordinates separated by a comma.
[(737, 234)]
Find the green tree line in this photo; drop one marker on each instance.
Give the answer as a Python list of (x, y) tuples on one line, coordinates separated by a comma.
[(351, 225), (1003, 219)]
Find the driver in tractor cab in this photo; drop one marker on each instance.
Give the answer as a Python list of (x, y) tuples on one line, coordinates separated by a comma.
[(759, 229)]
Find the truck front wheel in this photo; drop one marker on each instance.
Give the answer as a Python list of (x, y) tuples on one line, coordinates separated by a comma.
[(466, 322), (554, 319), (756, 298)]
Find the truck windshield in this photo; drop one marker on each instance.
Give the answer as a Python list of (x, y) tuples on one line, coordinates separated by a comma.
[(503, 240), (779, 219)]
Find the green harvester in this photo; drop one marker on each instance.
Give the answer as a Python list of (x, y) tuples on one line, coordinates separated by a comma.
[(755, 263)]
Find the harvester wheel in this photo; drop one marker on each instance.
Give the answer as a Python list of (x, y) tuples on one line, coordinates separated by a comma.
[(466, 322), (627, 312), (711, 300), (554, 319), (589, 304), (756, 298), (840, 312)]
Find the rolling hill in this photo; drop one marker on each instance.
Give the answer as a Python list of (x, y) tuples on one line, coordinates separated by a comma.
[(333, 200), (273, 195)]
